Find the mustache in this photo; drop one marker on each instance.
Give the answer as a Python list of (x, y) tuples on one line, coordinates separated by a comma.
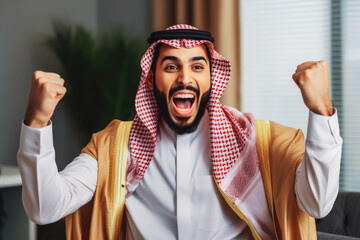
[(178, 88)]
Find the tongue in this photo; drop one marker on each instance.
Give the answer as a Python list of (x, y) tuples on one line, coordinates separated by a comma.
[(182, 103)]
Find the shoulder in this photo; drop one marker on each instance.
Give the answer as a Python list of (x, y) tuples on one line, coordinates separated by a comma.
[(286, 143), (283, 144), (102, 138), (282, 134), (111, 128)]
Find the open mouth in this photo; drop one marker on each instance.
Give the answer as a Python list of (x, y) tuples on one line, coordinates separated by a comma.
[(183, 103)]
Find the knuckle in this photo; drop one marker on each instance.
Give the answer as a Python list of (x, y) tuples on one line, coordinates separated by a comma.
[(317, 65), (42, 80), (295, 76), (37, 74), (300, 82), (57, 75), (307, 74), (46, 87), (323, 64)]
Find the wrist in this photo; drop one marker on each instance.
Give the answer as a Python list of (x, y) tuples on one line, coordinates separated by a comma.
[(326, 111), (36, 122)]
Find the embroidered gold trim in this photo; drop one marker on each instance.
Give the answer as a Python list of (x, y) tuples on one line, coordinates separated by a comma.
[(263, 141), (119, 179)]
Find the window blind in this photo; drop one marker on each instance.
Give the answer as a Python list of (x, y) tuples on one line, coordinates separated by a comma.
[(277, 36), (349, 92)]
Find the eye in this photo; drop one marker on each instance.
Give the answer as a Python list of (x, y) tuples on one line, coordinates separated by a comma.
[(171, 68), (198, 67)]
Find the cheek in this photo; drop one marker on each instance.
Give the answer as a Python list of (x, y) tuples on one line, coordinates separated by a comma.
[(161, 84), (204, 84)]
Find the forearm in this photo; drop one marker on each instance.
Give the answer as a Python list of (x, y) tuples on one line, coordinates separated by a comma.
[(47, 194), (317, 176)]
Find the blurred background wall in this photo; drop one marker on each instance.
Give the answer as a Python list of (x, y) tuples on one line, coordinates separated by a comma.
[(23, 27), (134, 15)]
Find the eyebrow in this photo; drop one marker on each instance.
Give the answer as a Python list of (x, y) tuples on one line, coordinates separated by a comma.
[(197, 59), (173, 58), (176, 59)]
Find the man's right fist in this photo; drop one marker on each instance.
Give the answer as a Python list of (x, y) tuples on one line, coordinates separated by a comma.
[(47, 89)]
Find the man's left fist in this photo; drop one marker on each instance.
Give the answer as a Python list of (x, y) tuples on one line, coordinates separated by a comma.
[(313, 80)]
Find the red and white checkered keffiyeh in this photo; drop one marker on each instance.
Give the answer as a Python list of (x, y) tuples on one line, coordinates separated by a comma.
[(229, 133)]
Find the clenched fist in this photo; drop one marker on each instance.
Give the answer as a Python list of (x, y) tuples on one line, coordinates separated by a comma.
[(313, 80), (47, 89)]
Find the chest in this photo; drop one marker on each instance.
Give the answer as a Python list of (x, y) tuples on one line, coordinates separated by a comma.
[(178, 194)]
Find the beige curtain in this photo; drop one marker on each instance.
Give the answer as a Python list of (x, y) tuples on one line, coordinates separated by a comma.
[(221, 18)]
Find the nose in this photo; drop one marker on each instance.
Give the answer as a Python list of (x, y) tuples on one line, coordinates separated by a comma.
[(184, 77)]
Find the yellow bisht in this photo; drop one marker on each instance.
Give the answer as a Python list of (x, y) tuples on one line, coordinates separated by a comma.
[(280, 150)]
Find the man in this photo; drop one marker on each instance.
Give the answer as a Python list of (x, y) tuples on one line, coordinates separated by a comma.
[(189, 167)]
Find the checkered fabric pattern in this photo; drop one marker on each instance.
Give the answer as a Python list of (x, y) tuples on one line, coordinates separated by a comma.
[(228, 138)]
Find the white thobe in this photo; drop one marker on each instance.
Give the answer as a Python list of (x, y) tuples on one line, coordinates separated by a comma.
[(178, 196), (178, 183)]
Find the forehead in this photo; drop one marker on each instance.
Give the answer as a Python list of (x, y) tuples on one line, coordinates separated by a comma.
[(182, 53)]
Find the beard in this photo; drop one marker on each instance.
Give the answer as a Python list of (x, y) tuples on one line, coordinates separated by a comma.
[(182, 128)]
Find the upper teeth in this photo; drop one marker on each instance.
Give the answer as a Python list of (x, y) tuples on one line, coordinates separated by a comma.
[(184, 96)]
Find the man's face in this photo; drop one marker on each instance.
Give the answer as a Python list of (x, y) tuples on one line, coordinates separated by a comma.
[(182, 85)]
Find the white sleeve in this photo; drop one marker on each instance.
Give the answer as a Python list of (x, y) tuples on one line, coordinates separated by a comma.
[(317, 176), (49, 195)]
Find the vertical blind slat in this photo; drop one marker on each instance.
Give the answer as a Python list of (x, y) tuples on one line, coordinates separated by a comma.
[(278, 35)]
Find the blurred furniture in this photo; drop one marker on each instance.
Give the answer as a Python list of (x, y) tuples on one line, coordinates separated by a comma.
[(17, 225), (343, 222), (53, 231)]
